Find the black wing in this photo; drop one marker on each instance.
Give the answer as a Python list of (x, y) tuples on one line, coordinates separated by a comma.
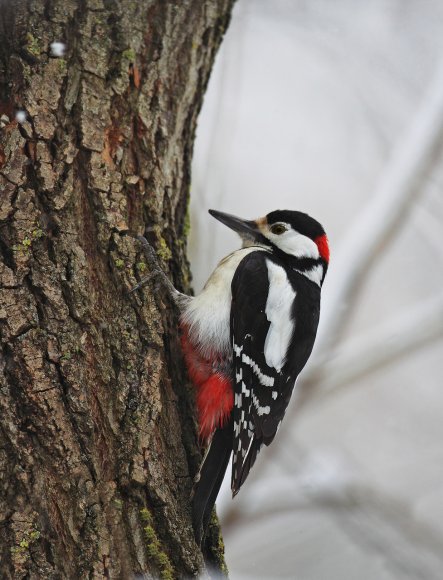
[(262, 392)]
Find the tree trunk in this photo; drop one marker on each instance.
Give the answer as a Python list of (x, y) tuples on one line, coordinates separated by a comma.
[(98, 443)]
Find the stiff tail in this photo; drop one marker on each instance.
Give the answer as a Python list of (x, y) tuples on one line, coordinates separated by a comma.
[(241, 471), (211, 477)]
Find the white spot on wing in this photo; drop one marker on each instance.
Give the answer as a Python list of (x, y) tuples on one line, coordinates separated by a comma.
[(265, 380), (244, 390), (278, 311), (238, 349), (260, 410)]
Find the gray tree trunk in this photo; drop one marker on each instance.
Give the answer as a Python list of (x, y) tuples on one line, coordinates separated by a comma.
[(98, 443)]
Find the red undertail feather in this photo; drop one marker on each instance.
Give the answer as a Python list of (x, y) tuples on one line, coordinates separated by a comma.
[(215, 400), (199, 369), (323, 246), (215, 396)]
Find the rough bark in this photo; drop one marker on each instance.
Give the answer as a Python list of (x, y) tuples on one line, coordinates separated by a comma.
[(98, 443)]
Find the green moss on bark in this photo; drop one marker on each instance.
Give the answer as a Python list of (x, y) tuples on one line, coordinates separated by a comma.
[(215, 544), (156, 555)]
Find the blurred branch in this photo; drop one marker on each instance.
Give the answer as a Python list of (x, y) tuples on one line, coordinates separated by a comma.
[(385, 344), (374, 521), (393, 199), (430, 228), (399, 187)]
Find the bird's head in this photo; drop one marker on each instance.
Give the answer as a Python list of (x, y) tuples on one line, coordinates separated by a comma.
[(292, 233)]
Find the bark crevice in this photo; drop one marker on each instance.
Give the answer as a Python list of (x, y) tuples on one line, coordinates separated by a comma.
[(97, 417)]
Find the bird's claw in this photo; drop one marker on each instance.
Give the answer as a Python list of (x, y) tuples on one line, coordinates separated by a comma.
[(142, 283), (157, 278), (149, 251)]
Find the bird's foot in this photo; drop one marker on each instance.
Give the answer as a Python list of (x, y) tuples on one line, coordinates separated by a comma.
[(157, 276)]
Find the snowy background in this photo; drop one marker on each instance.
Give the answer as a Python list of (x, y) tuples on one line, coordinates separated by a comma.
[(336, 108)]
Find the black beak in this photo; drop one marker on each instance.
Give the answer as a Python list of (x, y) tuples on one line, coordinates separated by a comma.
[(245, 228)]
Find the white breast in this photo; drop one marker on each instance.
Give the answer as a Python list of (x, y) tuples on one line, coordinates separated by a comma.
[(207, 315)]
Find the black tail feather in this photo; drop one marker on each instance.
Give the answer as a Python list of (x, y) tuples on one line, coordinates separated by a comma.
[(211, 477), (243, 471)]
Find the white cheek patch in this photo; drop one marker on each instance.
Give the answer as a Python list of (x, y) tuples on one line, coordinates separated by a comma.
[(278, 311), (295, 244)]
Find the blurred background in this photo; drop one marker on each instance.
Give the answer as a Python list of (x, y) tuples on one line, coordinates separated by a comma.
[(336, 109)]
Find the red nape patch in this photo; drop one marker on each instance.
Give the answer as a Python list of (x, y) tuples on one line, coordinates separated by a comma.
[(323, 246), (215, 399)]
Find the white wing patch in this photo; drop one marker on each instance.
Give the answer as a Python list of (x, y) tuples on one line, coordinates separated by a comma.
[(278, 311), (264, 380), (260, 410)]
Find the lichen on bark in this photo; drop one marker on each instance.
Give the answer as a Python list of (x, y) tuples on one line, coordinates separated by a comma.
[(96, 414)]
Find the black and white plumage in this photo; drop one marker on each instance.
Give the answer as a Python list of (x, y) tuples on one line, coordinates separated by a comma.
[(274, 314), (274, 319), (246, 337)]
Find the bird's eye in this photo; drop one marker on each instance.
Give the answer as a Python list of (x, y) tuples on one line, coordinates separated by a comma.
[(278, 229)]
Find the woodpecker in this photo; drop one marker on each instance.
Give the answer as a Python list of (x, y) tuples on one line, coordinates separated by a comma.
[(246, 337)]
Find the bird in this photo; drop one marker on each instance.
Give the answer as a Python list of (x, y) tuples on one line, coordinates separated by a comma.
[(245, 339)]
